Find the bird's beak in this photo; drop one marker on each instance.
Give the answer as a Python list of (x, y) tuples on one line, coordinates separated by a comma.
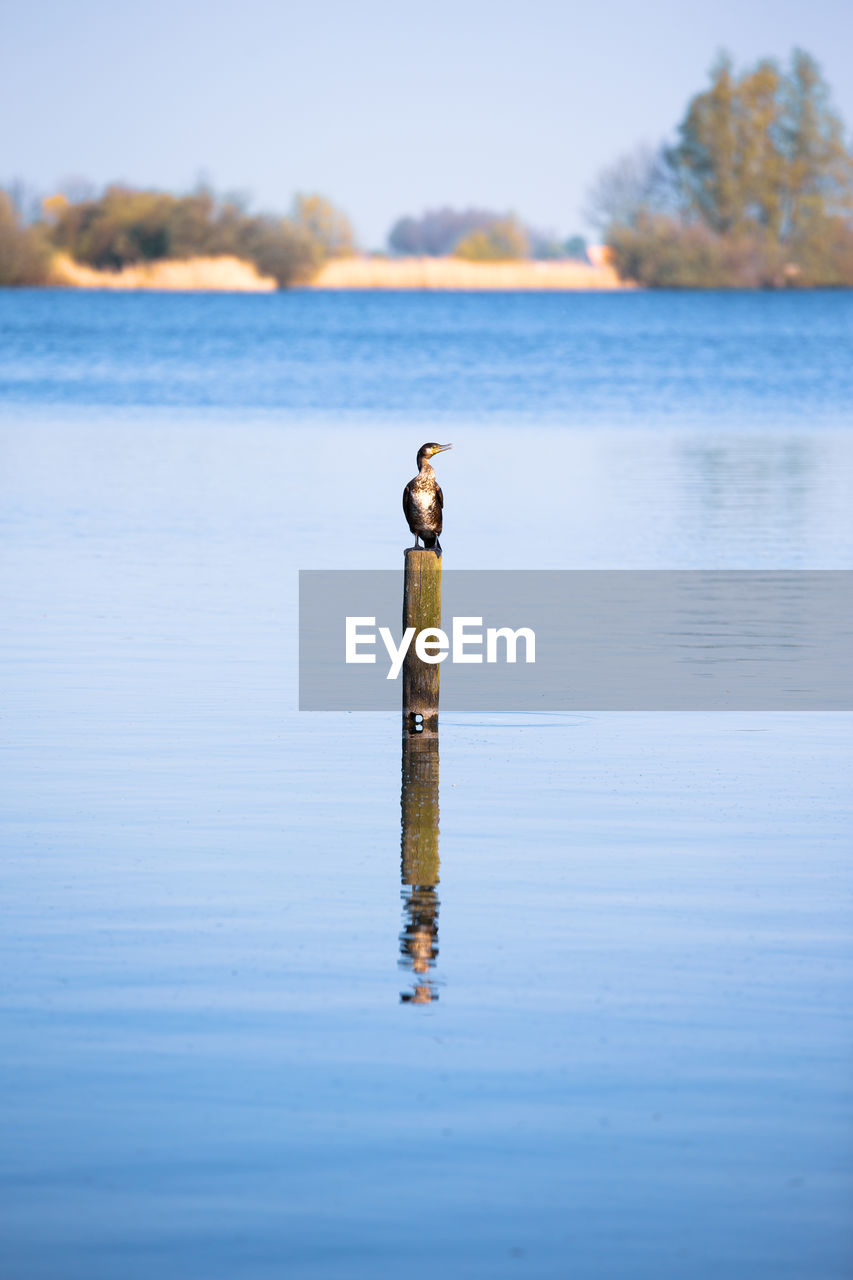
[(441, 448)]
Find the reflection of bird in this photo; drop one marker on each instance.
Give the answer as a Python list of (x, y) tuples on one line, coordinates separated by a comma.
[(423, 499)]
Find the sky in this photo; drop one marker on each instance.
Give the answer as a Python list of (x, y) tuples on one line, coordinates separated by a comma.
[(385, 108)]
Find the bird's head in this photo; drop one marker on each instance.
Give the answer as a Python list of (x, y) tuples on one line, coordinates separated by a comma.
[(430, 450)]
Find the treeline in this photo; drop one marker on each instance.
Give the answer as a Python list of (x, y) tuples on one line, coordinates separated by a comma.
[(757, 191), (25, 253), (477, 235), (126, 227)]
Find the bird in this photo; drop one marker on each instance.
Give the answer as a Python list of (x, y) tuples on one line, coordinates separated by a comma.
[(423, 500)]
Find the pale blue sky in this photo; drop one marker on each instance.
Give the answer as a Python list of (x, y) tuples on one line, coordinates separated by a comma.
[(386, 107)]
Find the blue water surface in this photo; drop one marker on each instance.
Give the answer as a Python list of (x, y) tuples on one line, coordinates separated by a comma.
[(582, 358), (629, 1054)]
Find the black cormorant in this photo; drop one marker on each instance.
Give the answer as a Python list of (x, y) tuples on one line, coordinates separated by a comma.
[(423, 499)]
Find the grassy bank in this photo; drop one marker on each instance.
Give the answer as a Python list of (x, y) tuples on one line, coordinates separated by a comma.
[(222, 273), (229, 274)]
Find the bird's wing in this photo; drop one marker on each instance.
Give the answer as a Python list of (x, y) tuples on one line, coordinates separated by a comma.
[(439, 496), (406, 496)]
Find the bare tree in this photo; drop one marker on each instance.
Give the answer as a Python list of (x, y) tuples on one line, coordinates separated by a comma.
[(640, 181)]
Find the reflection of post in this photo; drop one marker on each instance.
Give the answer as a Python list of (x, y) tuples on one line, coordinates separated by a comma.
[(419, 846), (421, 610)]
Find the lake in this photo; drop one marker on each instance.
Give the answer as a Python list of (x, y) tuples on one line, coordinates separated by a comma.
[(596, 1028)]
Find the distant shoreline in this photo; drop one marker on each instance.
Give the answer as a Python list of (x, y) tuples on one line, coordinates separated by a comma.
[(234, 275), (454, 273)]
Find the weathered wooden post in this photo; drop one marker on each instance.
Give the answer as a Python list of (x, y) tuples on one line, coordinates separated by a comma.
[(421, 610)]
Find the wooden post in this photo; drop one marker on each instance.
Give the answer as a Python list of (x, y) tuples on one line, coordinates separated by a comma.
[(421, 610)]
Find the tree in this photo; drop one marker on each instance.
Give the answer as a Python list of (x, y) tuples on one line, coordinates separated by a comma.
[(705, 159), (283, 250), (26, 201), (503, 241), (819, 169), (122, 227), (575, 248), (437, 232), (24, 253), (758, 190), (327, 226), (764, 152), (405, 237), (638, 181)]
